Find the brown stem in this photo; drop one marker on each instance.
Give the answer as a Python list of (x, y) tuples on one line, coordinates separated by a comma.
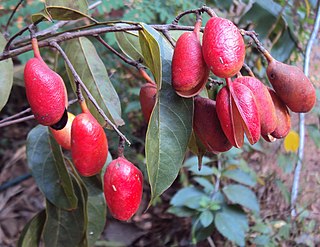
[(247, 68), (202, 9), (12, 14), (78, 80), (144, 74), (35, 47), (121, 147), (168, 37), (7, 123)]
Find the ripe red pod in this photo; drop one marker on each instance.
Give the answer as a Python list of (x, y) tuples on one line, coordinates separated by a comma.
[(207, 127), (189, 70), (223, 47), (123, 186), (147, 99), (267, 111), (89, 144), (63, 136), (45, 91)]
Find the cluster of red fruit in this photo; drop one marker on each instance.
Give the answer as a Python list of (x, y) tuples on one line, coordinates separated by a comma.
[(83, 135), (244, 105)]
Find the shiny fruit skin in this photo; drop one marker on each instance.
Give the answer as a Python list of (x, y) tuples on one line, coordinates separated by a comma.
[(207, 127), (223, 47), (89, 145), (45, 92), (283, 116), (189, 70), (292, 86), (63, 136), (147, 99), (267, 111), (123, 187)]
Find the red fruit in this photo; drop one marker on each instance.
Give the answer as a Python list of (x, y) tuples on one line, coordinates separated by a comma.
[(189, 70), (207, 127), (223, 47), (45, 91), (89, 144), (292, 86), (63, 136), (123, 185), (267, 111), (147, 99)]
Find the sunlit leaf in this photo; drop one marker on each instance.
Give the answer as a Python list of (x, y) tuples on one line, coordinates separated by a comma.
[(291, 141), (48, 168), (6, 78), (91, 69)]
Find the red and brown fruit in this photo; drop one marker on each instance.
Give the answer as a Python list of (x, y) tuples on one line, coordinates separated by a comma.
[(147, 99)]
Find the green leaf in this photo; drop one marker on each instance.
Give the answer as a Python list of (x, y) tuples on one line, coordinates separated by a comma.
[(205, 183), (184, 195), (66, 228), (181, 211), (6, 78), (170, 125), (31, 233), (96, 209), (232, 223), (48, 168), (129, 44), (80, 5), (90, 68), (241, 195), (205, 170), (240, 176), (206, 218)]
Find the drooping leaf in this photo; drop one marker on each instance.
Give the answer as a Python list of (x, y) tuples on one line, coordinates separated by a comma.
[(240, 176), (6, 78), (93, 73), (129, 44), (31, 233), (63, 227), (232, 223), (96, 209), (242, 195), (48, 168), (291, 141), (170, 124)]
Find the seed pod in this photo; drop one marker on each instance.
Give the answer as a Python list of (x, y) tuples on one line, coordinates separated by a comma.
[(267, 111), (123, 186), (207, 126), (147, 99), (223, 47), (291, 85), (89, 144), (189, 70)]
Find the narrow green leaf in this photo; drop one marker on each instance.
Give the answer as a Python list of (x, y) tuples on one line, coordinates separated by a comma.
[(80, 5), (184, 195), (232, 223), (6, 78), (206, 218), (31, 233), (66, 228), (170, 125), (242, 195), (240, 176), (96, 209), (129, 44), (89, 66), (48, 168)]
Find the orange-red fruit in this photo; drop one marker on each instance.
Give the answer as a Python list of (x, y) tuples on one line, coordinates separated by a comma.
[(123, 186), (45, 92), (223, 47), (207, 127), (189, 70), (89, 145), (147, 99), (292, 86), (267, 111), (63, 136), (283, 117)]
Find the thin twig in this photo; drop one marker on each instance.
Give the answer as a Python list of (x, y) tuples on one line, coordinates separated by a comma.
[(16, 115), (23, 119), (248, 70), (83, 86), (169, 38), (295, 184), (11, 16), (202, 9)]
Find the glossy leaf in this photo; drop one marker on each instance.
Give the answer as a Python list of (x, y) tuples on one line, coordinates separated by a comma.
[(93, 73), (240, 176), (66, 228), (47, 166), (170, 124), (129, 44), (96, 209), (241, 195), (232, 223), (6, 79), (31, 233)]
